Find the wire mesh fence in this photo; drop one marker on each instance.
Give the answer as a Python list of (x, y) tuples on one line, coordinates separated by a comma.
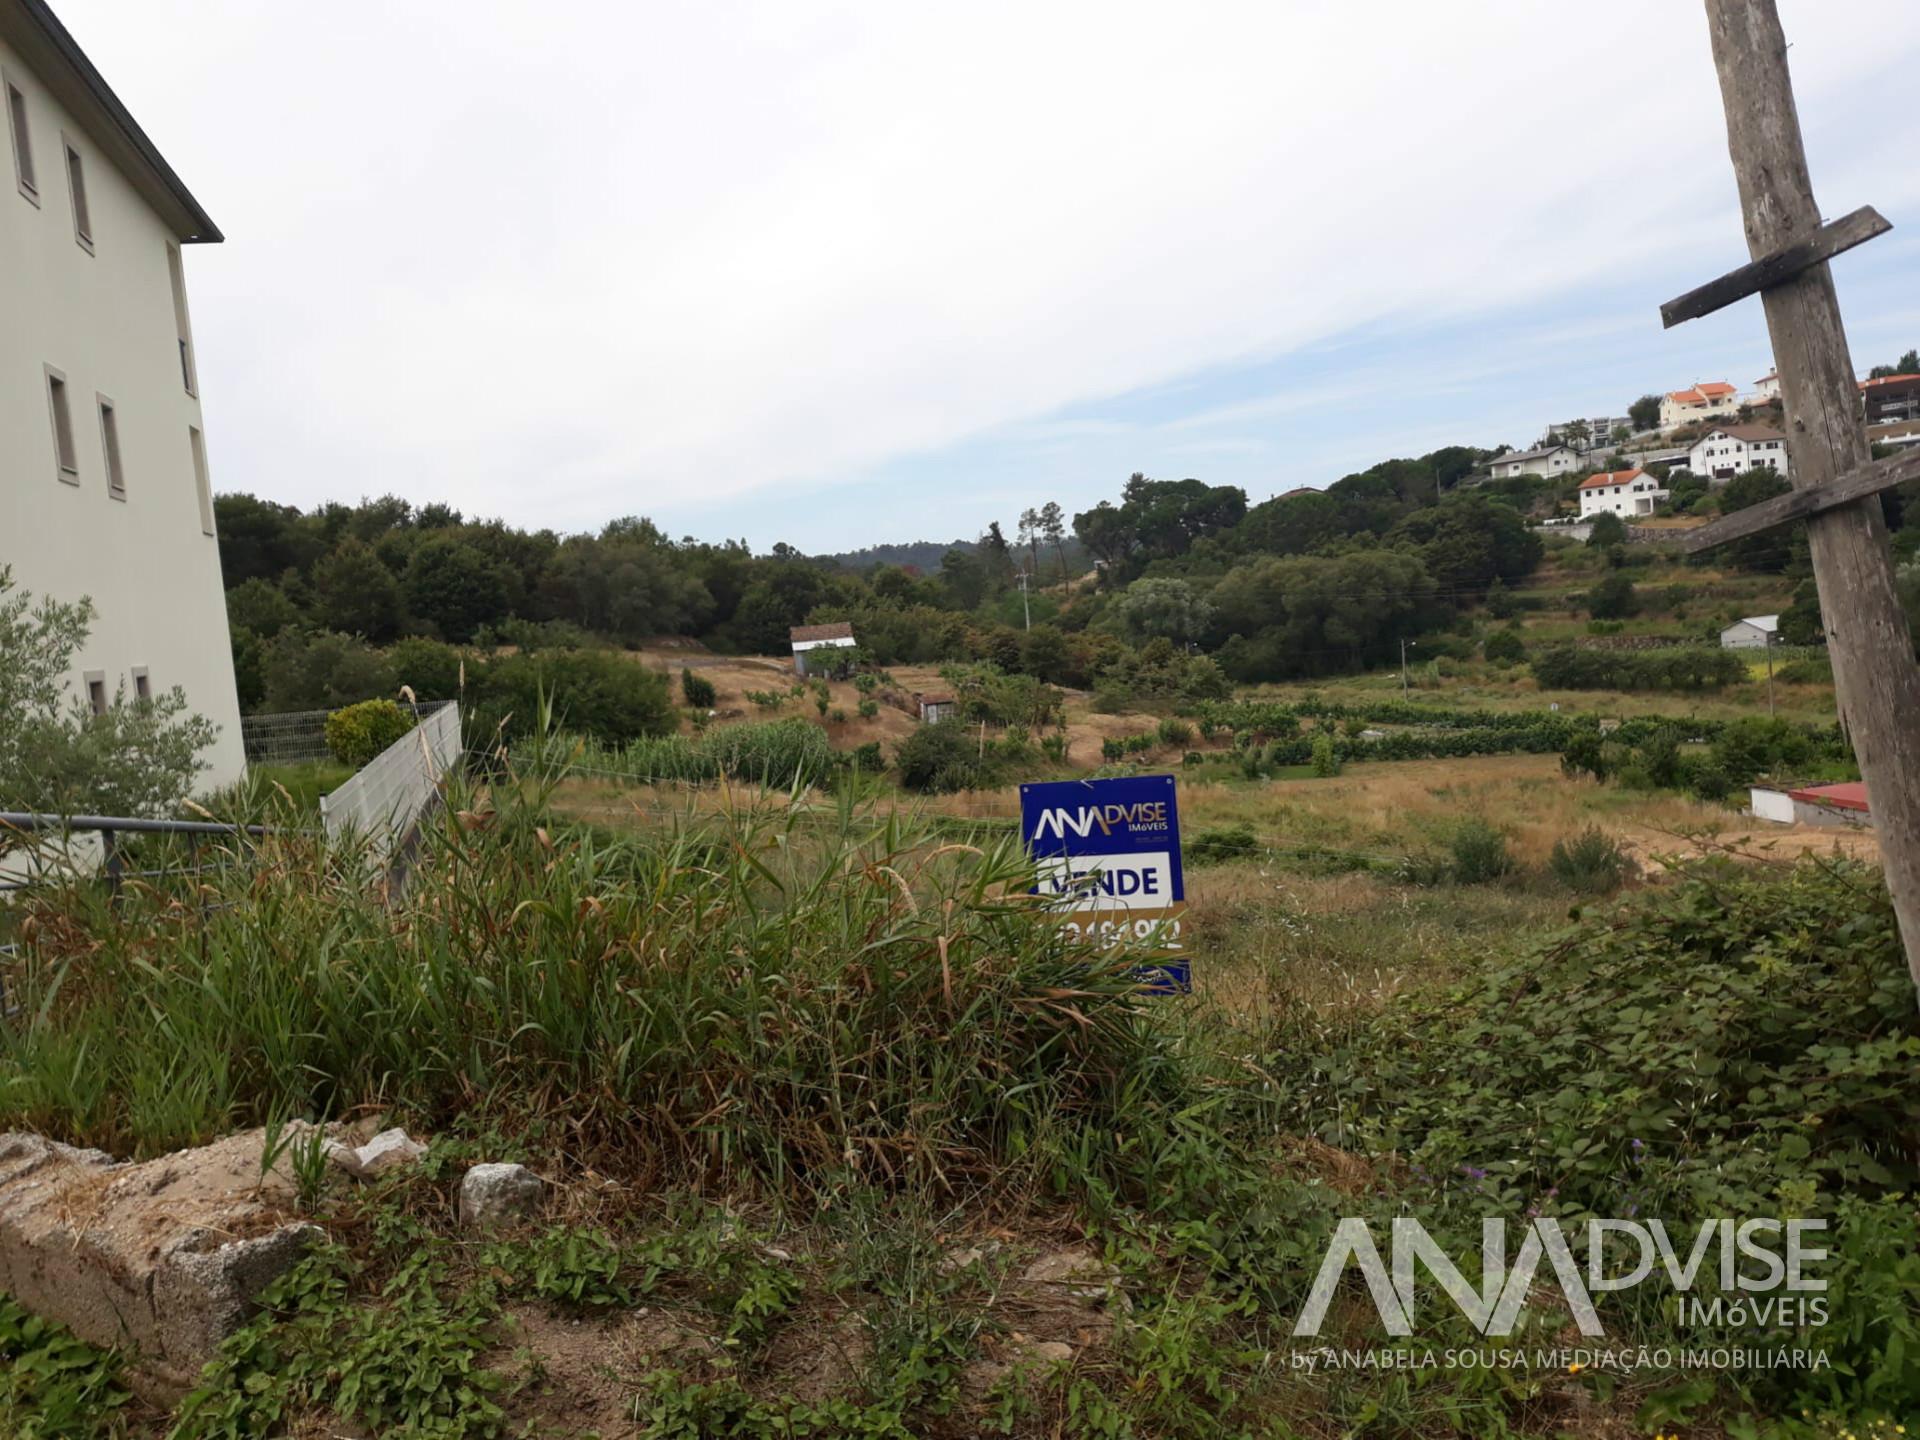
[(291, 736)]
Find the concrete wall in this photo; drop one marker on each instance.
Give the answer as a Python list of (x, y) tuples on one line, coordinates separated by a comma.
[(106, 320)]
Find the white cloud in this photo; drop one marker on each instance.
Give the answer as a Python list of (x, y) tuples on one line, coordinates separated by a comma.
[(571, 261)]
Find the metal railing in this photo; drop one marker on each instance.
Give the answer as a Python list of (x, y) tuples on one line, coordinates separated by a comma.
[(112, 859)]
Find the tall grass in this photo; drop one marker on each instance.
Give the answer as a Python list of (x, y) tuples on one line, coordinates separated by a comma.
[(782, 754), (737, 998)]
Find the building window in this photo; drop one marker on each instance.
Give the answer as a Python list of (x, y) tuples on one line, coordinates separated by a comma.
[(97, 691), (23, 175), (176, 273), (142, 686), (77, 187), (61, 409), (200, 477), (110, 447)]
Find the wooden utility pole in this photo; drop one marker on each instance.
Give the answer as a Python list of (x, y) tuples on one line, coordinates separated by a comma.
[(1837, 491)]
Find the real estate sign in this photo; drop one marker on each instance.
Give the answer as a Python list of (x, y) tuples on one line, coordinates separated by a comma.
[(1108, 856)]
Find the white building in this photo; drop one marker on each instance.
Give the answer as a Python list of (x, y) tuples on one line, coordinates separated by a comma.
[(1625, 493), (104, 488), (1705, 401), (1593, 432), (1766, 389), (1732, 450), (808, 640), (1752, 633), (1549, 460)]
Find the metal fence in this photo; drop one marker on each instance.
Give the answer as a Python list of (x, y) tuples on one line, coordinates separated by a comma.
[(83, 844), (295, 735), (386, 799)]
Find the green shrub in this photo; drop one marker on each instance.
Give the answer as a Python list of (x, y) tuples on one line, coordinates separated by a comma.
[(1504, 647), (1480, 853), (697, 690), (1568, 667), (1220, 843), (1174, 731), (1592, 863), (1811, 670), (868, 708), (600, 693), (1712, 1041), (357, 733), (942, 757), (1757, 745), (1325, 762)]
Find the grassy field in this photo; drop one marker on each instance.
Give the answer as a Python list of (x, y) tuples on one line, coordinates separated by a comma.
[(832, 1116)]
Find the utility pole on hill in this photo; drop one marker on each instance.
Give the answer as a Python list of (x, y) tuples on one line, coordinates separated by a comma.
[(1836, 485)]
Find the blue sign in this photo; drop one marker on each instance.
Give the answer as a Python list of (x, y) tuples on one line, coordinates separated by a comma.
[(1108, 851)]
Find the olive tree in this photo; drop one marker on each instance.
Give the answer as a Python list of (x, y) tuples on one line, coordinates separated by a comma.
[(140, 757)]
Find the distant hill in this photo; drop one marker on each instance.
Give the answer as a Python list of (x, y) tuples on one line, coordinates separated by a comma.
[(923, 555)]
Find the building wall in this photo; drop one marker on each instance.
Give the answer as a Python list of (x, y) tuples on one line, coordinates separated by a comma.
[(1743, 636), (1672, 414), (106, 320)]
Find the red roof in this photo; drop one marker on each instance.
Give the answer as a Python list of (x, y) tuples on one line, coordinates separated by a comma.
[(1701, 393), (1611, 477), (1850, 795), (1890, 380)]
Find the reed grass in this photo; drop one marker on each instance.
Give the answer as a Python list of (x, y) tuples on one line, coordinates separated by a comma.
[(734, 997)]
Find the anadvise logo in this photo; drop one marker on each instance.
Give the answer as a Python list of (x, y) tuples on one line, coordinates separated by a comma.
[(1751, 1260)]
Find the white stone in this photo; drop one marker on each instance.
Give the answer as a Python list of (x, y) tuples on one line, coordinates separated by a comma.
[(389, 1150), (492, 1193)]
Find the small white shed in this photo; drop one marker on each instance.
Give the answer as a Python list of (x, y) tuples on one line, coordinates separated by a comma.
[(1752, 633)]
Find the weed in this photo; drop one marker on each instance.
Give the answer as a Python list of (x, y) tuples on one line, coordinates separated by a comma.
[(1480, 853), (53, 1386), (1592, 863)]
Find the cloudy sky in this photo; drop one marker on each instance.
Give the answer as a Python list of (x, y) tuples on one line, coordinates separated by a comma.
[(841, 273)]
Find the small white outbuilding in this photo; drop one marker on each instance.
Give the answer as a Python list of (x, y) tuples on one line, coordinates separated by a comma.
[(1752, 633)]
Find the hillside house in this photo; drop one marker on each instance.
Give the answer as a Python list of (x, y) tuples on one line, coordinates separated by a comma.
[(1891, 397), (1625, 493), (103, 454), (1755, 632), (1594, 432), (1730, 450), (1766, 390), (816, 647), (1549, 460), (1705, 401)]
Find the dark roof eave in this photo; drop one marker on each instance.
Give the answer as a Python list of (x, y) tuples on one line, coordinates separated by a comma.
[(201, 229)]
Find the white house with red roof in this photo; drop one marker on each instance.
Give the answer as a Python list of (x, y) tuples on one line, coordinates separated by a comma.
[(1625, 493), (1705, 401), (1766, 389)]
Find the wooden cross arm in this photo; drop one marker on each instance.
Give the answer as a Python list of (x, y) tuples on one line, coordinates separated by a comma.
[(1868, 480), (1782, 265)]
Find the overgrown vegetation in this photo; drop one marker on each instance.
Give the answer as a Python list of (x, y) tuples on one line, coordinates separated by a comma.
[(852, 1026)]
